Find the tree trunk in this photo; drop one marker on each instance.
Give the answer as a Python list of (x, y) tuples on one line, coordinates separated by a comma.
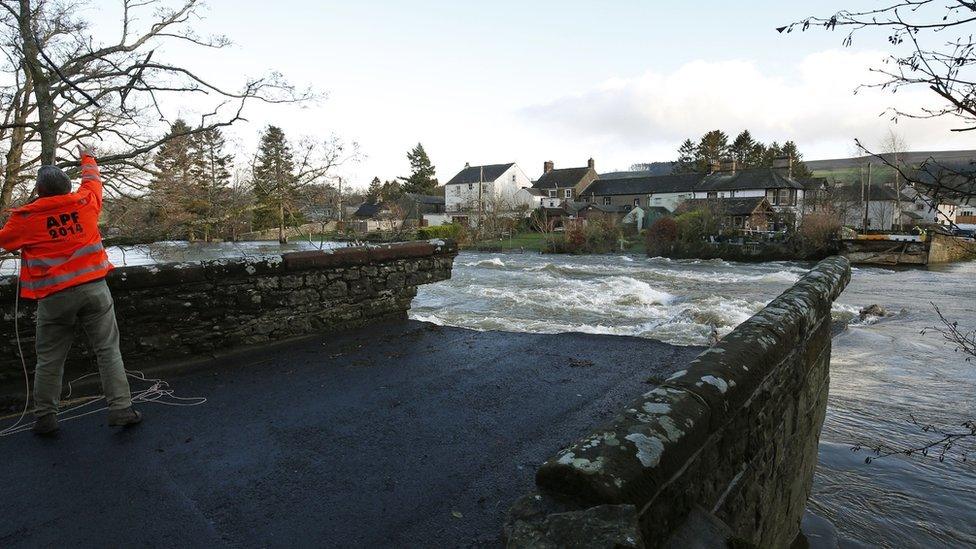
[(281, 223), (46, 124), (15, 154)]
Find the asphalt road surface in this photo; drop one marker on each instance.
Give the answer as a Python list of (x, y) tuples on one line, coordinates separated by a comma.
[(403, 435)]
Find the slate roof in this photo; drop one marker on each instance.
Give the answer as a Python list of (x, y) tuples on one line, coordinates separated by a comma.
[(474, 174), (730, 206), (608, 209), (674, 183), (760, 178), (367, 210), (563, 178), (534, 191), (425, 198)]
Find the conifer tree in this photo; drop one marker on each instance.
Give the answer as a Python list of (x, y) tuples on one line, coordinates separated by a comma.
[(741, 149), (211, 176), (713, 147), (687, 158), (172, 185), (275, 183), (375, 191), (422, 178)]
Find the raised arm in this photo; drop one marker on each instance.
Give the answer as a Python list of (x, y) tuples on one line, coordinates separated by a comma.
[(90, 178)]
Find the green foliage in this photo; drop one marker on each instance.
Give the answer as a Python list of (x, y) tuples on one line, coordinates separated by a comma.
[(375, 191), (594, 237), (745, 150), (439, 231), (274, 181), (696, 225), (422, 178), (661, 235)]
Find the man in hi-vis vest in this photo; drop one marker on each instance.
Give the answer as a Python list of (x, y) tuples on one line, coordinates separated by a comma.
[(63, 267)]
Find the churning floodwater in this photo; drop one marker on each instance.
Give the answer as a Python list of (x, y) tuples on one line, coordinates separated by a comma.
[(882, 371)]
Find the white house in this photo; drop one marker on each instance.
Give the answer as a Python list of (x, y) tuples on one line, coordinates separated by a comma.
[(488, 188), (530, 198)]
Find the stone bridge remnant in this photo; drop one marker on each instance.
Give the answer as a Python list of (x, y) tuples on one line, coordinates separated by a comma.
[(725, 448), (174, 310)]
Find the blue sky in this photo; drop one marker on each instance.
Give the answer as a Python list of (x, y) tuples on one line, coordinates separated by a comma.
[(621, 81)]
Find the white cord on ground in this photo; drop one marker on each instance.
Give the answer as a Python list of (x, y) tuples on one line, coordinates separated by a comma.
[(158, 391)]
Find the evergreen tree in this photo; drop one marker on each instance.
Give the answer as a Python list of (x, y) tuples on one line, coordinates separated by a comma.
[(741, 149), (422, 179), (211, 175), (375, 191), (687, 158), (172, 185), (713, 147), (275, 183), (799, 168), (391, 191)]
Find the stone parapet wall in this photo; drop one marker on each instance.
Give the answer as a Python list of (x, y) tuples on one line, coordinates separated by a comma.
[(734, 436), (168, 311)]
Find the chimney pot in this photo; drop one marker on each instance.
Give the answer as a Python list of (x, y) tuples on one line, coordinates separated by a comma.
[(714, 165), (548, 166), (591, 164)]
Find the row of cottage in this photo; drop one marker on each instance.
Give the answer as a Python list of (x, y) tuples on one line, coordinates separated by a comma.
[(753, 199)]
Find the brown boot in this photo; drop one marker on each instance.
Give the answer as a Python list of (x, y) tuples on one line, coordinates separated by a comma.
[(121, 418), (46, 424)]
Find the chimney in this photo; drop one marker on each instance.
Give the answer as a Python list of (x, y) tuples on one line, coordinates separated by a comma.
[(467, 165), (591, 164), (714, 165), (782, 162), (548, 166), (728, 165)]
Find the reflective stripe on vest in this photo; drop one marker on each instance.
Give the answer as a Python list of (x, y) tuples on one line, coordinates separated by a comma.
[(55, 280), (55, 261)]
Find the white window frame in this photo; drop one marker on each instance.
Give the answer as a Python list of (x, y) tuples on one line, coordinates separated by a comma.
[(552, 193), (607, 201), (567, 193)]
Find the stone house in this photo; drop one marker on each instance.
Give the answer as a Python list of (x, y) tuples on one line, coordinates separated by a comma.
[(565, 183)]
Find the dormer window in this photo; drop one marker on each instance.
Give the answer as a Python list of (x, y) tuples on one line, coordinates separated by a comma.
[(552, 193), (568, 193)]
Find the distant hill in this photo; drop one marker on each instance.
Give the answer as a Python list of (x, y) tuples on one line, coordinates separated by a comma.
[(912, 157)]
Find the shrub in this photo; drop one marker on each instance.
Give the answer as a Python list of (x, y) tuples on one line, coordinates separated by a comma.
[(661, 235), (818, 231), (696, 225), (439, 231)]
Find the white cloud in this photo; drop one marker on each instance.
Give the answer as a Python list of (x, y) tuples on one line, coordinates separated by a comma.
[(813, 103)]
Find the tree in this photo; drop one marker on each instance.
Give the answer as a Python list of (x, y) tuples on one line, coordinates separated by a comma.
[(742, 148), (391, 191), (932, 46), (687, 158), (211, 175), (799, 169), (72, 87), (275, 184), (713, 147), (422, 179), (375, 191), (172, 188)]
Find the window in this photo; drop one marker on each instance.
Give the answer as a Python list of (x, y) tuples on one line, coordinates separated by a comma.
[(552, 193), (470, 186), (731, 194), (606, 200), (712, 194), (637, 202), (771, 196), (568, 193), (513, 178)]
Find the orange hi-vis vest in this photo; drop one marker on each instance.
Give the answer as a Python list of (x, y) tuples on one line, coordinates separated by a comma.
[(60, 246)]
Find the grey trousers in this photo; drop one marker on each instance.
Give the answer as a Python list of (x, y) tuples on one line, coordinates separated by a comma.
[(57, 314)]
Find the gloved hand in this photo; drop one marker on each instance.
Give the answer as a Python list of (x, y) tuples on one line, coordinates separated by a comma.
[(85, 150)]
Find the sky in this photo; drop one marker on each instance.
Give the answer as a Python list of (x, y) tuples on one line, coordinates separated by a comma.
[(621, 81)]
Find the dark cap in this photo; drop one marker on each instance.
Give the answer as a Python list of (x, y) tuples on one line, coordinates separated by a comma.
[(51, 181)]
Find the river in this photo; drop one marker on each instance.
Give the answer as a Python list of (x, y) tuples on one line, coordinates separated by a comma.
[(882, 370)]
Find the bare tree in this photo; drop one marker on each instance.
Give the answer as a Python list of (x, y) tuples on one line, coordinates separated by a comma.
[(76, 88), (933, 46)]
